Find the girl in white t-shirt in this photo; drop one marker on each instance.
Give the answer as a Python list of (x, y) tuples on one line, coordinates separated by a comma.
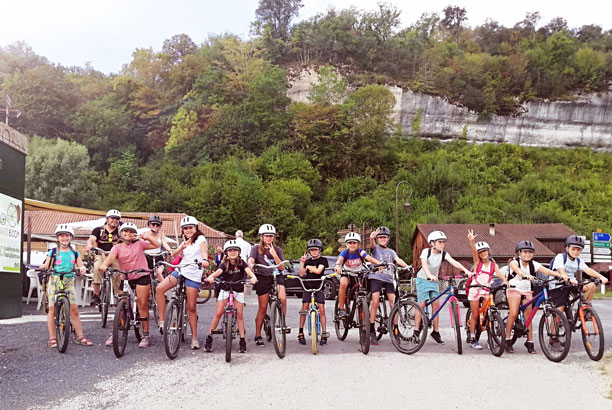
[(522, 276)]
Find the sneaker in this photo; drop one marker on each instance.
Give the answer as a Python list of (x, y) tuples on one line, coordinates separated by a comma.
[(144, 342), (208, 343), (342, 314), (242, 346), (469, 340), (373, 339), (161, 327), (95, 300), (555, 344), (323, 341), (476, 345), (259, 341), (109, 340), (530, 347), (301, 339), (437, 338), (195, 345), (508, 346)]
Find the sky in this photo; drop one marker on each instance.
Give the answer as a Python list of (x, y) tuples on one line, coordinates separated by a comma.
[(105, 33)]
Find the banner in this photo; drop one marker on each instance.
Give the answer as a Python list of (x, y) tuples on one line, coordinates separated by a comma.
[(10, 233)]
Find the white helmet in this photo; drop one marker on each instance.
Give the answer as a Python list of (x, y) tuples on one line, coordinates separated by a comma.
[(114, 213), (482, 246), (267, 229), (189, 221), (63, 228), (436, 236), (352, 237), (231, 244), (128, 225)]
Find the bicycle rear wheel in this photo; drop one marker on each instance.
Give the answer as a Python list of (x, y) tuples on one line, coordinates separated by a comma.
[(554, 334), (313, 331), (62, 323), (380, 323), (402, 325), (277, 325), (228, 337), (496, 334), (104, 300), (121, 327), (592, 333), (456, 326), (363, 319), (342, 326), (205, 292), (172, 329)]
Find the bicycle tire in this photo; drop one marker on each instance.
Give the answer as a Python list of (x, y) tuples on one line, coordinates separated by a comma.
[(266, 325), (228, 337), (153, 302), (363, 319), (172, 329), (207, 290), (341, 325), (496, 334), (314, 332), (555, 324), (504, 310), (121, 327), (104, 301), (404, 338), (184, 319), (380, 323), (62, 323), (137, 326), (456, 326), (277, 324), (592, 327), (571, 309)]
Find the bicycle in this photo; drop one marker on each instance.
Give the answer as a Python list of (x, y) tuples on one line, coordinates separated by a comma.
[(314, 318), (274, 324), (176, 315), (582, 316), (205, 289), (229, 329), (154, 282), (126, 314), (489, 319), (358, 308), (455, 317), (553, 322), (105, 289), (401, 317)]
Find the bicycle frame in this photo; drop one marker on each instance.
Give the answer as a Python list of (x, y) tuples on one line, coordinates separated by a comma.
[(451, 297)]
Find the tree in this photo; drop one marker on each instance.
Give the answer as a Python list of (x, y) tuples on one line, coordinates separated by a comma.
[(330, 87), (277, 15), (454, 17)]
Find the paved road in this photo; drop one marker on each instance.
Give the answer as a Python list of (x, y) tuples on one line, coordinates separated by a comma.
[(33, 376)]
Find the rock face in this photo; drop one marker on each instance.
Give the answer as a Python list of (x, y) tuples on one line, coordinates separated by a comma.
[(586, 122)]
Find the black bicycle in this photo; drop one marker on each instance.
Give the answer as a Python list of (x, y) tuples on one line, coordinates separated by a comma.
[(157, 258), (582, 317), (229, 330), (105, 288)]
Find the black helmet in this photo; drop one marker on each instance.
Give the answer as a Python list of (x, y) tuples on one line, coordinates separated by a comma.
[(525, 246), (314, 243), (575, 240), (155, 219), (383, 231)]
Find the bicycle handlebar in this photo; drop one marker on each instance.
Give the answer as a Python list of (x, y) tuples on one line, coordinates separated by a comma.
[(130, 272), (179, 266), (98, 251), (321, 280), (49, 272)]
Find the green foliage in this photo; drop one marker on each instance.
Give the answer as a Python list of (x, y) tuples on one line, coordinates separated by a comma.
[(329, 88)]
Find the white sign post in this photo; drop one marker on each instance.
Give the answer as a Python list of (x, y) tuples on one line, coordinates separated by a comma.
[(11, 210)]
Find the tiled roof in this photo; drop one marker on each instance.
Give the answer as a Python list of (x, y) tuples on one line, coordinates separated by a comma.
[(503, 242)]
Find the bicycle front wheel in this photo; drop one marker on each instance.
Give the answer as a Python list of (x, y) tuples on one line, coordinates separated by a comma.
[(341, 325), (277, 326), (121, 327), (228, 337), (267, 327), (402, 322), (104, 300), (496, 334), (592, 333), (554, 334), (314, 331), (380, 323), (172, 329), (456, 326), (62, 323), (205, 292), (363, 318)]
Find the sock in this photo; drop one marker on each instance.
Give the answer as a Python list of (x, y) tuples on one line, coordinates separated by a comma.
[(145, 334), (242, 339), (301, 330), (473, 336), (372, 328)]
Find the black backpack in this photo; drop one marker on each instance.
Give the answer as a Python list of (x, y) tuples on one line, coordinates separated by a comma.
[(512, 274)]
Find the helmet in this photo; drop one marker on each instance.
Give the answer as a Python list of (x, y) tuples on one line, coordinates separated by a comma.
[(525, 246), (155, 219), (314, 243), (113, 213), (188, 221), (575, 240), (352, 237), (63, 228), (436, 236), (267, 229), (231, 244), (129, 226), (383, 231), (482, 246)]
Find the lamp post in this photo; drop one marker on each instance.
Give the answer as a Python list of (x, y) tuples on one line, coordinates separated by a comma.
[(407, 208)]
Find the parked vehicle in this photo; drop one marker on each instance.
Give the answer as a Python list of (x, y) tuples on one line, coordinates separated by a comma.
[(330, 287)]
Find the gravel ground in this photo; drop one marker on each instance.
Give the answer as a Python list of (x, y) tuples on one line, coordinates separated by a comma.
[(33, 376)]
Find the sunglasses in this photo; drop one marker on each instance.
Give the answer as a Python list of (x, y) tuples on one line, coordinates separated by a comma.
[(116, 218), (155, 224)]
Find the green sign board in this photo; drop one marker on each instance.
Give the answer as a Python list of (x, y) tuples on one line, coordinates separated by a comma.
[(597, 244)]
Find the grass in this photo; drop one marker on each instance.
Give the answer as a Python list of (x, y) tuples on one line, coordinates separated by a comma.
[(606, 369), (599, 296)]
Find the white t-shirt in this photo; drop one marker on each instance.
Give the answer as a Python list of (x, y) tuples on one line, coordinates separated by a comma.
[(433, 262), (157, 250), (245, 249), (192, 253), (571, 267), (523, 285)]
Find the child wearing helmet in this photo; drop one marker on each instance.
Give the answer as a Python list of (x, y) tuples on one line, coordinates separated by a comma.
[(130, 255), (194, 248), (353, 257), (427, 277), (63, 259), (231, 269), (312, 266), (484, 269), (155, 223), (521, 271), (266, 253)]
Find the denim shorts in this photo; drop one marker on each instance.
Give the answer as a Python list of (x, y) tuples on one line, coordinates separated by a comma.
[(426, 289), (188, 282)]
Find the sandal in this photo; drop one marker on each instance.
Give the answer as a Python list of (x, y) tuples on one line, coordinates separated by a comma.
[(52, 342), (83, 341), (301, 338)]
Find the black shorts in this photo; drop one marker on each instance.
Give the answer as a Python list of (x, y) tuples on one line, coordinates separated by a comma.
[(380, 286), (319, 297), (141, 281), (264, 283), (152, 260), (559, 296)]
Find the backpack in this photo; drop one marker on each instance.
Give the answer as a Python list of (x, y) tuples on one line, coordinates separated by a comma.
[(429, 254), (552, 261), (479, 269), (45, 300), (512, 274)]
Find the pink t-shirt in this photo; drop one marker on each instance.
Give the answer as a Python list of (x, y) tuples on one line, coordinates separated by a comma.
[(131, 256)]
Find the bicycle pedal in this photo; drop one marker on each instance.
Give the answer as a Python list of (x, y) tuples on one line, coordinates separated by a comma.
[(303, 312), (287, 330), (217, 332)]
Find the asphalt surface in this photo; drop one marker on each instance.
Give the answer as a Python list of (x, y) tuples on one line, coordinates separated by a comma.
[(34, 376)]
